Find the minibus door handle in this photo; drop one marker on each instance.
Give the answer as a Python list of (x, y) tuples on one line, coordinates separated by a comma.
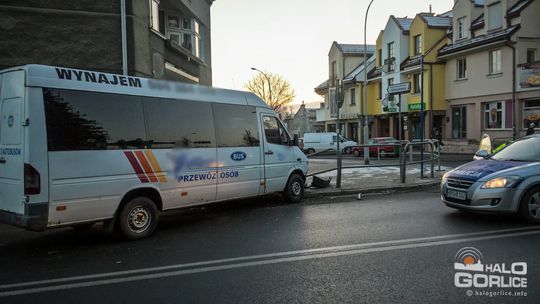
[(2, 160), (269, 152)]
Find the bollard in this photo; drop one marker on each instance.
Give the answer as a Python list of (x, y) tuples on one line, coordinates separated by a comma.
[(432, 146), (403, 167)]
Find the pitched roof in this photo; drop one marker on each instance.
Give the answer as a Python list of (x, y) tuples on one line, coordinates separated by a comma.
[(403, 23), (358, 71), (322, 87), (477, 41), (479, 2), (478, 22), (437, 21), (518, 7), (355, 48)]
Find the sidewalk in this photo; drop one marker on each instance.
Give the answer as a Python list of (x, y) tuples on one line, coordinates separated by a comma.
[(375, 179)]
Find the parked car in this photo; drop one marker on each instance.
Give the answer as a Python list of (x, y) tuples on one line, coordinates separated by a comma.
[(316, 142), (507, 182), (382, 151)]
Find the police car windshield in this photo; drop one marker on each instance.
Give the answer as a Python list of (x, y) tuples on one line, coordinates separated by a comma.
[(522, 150)]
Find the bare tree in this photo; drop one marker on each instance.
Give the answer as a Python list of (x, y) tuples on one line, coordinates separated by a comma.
[(273, 89)]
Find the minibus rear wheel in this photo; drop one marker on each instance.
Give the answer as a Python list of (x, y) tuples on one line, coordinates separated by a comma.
[(294, 191), (138, 218)]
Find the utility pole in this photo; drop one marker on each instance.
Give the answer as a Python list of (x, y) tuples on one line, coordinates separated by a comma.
[(364, 101), (339, 103), (422, 115)]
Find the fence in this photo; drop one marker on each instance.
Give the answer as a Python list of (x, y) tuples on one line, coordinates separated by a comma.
[(405, 150)]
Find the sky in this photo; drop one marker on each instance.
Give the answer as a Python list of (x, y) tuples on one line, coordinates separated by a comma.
[(293, 37)]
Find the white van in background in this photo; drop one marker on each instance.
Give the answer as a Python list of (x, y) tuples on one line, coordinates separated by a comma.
[(316, 142), (79, 147)]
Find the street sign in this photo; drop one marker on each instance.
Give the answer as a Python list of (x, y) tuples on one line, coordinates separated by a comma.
[(416, 106), (398, 88)]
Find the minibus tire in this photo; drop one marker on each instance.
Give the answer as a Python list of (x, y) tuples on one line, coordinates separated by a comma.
[(138, 218), (294, 191)]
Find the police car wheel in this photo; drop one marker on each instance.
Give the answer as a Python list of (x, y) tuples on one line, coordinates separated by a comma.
[(310, 151), (138, 218), (529, 208), (294, 191), (347, 150)]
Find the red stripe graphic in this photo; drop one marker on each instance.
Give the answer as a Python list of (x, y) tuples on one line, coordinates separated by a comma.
[(136, 166), (146, 166)]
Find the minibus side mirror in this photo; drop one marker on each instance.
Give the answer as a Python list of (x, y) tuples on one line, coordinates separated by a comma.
[(294, 141)]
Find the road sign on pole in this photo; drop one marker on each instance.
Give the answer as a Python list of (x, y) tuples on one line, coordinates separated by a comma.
[(399, 88)]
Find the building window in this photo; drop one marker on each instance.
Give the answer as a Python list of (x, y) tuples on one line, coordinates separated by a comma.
[(494, 115), (531, 113), (380, 90), (333, 73), (380, 57), (495, 62), (459, 122), (417, 84), (353, 96), (531, 55), (461, 68), (154, 15), (494, 16), (417, 44), (461, 28), (185, 32), (391, 57)]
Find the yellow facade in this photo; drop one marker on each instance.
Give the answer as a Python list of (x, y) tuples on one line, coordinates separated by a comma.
[(434, 71)]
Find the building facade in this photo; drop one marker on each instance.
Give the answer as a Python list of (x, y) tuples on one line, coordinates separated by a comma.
[(166, 39), (493, 75), (345, 65)]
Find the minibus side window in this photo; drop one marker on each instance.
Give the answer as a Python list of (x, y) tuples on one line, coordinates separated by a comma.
[(179, 124), (274, 131), (81, 120), (236, 125)]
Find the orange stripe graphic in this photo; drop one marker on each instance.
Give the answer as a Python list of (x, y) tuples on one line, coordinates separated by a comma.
[(155, 165), (146, 166)]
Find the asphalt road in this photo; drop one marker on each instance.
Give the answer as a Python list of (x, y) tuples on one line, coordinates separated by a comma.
[(397, 248)]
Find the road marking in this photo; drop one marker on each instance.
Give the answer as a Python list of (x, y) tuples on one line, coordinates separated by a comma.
[(257, 260)]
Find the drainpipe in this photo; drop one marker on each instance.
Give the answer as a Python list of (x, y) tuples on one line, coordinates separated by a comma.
[(514, 129), (124, 36)]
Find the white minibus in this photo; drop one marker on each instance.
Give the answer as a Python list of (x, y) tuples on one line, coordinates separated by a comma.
[(79, 147)]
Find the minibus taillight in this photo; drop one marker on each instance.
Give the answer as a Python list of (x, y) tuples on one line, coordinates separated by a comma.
[(32, 181)]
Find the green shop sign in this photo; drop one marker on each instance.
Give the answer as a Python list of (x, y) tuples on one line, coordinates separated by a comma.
[(416, 106)]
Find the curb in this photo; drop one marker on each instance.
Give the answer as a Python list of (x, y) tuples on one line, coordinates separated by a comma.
[(338, 192)]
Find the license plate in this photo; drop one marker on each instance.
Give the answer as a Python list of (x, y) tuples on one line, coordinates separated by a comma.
[(460, 195)]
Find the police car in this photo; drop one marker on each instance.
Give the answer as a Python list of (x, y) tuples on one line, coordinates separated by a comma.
[(507, 182)]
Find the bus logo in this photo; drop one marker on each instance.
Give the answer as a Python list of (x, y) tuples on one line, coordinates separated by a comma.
[(11, 121), (238, 156)]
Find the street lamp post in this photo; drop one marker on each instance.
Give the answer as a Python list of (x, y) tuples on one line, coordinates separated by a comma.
[(268, 81), (364, 103)]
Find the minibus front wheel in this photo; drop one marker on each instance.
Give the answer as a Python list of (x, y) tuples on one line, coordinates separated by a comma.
[(294, 191), (138, 218)]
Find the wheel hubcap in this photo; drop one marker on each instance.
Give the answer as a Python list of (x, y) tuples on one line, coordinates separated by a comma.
[(534, 205), (296, 188), (139, 219)]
